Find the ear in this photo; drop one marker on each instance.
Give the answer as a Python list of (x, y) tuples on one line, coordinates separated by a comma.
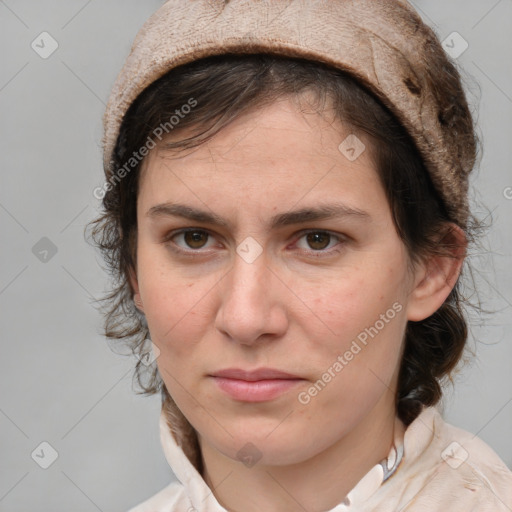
[(436, 276), (135, 287)]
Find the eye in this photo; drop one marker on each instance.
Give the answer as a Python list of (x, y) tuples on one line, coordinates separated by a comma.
[(190, 239), (319, 241), (195, 240)]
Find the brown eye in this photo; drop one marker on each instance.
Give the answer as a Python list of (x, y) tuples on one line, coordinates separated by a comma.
[(195, 239), (318, 240)]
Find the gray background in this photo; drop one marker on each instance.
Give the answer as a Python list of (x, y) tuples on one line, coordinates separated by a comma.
[(59, 380)]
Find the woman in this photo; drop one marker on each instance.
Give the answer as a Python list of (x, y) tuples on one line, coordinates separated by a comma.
[(286, 215)]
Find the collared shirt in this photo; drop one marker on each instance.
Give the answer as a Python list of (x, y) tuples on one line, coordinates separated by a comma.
[(432, 467)]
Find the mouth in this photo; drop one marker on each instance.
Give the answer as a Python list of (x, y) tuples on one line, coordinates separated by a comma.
[(255, 386)]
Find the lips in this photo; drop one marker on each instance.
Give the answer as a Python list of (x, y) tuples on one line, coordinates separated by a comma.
[(255, 386), (254, 375)]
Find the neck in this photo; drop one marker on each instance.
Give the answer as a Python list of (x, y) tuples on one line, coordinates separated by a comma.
[(317, 484)]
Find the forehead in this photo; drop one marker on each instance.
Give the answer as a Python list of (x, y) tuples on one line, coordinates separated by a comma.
[(279, 153), (288, 129)]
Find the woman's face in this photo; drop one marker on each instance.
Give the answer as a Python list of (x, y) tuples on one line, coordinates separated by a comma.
[(290, 263)]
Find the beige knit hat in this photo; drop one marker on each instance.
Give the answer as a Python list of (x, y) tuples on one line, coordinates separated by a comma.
[(382, 43)]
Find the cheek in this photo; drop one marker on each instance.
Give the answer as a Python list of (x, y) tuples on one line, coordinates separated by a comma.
[(347, 304), (176, 306), (366, 317), (355, 366)]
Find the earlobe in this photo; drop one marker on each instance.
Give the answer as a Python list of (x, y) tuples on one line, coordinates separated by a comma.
[(135, 287), (437, 276), (138, 302)]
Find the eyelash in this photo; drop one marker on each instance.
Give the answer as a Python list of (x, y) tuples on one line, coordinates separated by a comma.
[(168, 241)]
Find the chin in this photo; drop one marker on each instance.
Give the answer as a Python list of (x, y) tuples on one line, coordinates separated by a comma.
[(271, 443)]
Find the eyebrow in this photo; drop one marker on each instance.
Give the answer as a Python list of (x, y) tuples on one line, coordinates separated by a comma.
[(323, 212)]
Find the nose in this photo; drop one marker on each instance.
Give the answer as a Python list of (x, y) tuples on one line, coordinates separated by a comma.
[(251, 307)]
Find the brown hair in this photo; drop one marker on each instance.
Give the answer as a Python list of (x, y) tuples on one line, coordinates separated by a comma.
[(226, 86)]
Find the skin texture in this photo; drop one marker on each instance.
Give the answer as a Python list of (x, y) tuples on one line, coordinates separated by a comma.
[(297, 307)]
